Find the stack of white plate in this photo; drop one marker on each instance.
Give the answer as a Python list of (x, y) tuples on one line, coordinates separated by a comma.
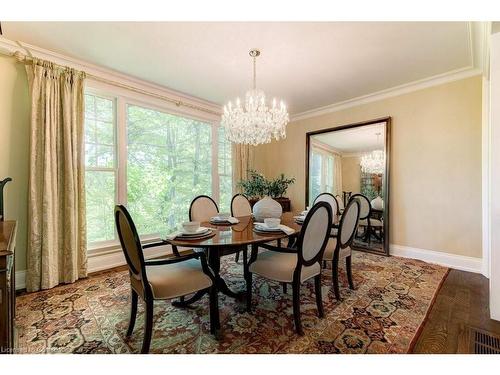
[(262, 227), (224, 220), (200, 233)]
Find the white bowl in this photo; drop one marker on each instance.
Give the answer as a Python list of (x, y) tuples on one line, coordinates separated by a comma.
[(224, 215), (272, 222), (191, 226)]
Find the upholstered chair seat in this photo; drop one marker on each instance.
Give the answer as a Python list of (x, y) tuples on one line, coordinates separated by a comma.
[(179, 279), (280, 267), (330, 250)]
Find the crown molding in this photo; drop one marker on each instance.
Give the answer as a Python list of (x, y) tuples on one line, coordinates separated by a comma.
[(454, 75), (9, 47), (480, 46)]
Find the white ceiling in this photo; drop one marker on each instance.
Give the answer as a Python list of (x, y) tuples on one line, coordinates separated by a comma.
[(355, 140), (309, 65)]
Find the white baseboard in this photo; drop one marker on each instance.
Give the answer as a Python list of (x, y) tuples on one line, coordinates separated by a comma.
[(458, 262), (115, 258)]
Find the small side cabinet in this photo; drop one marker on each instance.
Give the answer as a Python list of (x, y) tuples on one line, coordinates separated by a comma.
[(7, 286)]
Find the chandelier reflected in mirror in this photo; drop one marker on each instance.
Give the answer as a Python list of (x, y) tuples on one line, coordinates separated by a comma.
[(374, 162), (254, 122)]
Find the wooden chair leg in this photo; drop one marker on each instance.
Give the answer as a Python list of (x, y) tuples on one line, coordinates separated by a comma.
[(214, 311), (284, 288), (319, 299), (348, 268), (296, 308), (249, 291), (237, 257), (133, 313), (148, 327), (335, 277)]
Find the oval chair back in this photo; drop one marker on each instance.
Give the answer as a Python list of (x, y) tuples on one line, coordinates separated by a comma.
[(202, 208), (240, 206), (340, 202), (365, 205), (132, 249), (349, 223), (330, 199), (314, 234)]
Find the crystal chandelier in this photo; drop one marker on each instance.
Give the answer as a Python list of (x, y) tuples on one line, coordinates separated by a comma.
[(254, 123), (373, 162)]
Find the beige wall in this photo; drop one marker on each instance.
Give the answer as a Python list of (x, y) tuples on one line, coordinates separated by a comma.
[(14, 144), (351, 174), (435, 181)]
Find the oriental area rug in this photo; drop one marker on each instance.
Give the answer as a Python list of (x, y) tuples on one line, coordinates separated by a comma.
[(384, 314)]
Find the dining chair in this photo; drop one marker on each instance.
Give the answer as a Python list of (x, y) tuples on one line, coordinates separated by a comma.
[(365, 219), (340, 203), (162, 279), (340, 246), (332, 201), (295, 265), (240, 206), (202, 208)]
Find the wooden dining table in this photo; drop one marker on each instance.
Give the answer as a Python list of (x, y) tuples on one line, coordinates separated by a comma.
[(229, 239)]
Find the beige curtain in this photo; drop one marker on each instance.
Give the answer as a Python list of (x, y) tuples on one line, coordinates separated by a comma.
[(56, 207), (337, 174), (242, 162)]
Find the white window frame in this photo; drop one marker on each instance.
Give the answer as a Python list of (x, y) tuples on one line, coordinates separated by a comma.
[(123, 98)]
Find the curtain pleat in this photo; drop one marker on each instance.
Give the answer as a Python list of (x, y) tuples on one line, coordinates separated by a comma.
[(57, 231), (337, 173), (242, 162)]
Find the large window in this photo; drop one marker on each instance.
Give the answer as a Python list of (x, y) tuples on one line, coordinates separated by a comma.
[(169, 161), (155, 164)]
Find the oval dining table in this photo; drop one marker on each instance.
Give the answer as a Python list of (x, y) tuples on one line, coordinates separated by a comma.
[(229, 239)]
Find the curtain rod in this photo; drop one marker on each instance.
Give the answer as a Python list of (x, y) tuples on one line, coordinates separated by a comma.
[(27, 59)]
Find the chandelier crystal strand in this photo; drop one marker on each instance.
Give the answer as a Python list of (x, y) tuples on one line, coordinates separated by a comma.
[(253, 122)]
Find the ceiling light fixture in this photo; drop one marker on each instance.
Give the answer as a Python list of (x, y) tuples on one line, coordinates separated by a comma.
[(254, 122), (373, 162)]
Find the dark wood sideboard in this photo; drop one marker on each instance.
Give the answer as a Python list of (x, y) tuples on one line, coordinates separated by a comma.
[(7, 285)]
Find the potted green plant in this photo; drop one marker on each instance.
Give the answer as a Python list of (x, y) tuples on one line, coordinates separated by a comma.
[(258, 187)]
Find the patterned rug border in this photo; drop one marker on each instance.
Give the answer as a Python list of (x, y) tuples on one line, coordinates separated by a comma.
[(427, 313)]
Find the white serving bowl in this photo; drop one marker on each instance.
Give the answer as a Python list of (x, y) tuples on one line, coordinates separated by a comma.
[(191, 226), (272, 222), (224, 215)]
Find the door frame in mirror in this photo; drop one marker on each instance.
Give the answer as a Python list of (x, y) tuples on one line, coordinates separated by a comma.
[(385, 180)]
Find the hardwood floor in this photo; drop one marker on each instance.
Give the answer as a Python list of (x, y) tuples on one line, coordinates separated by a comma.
[(462, 302)]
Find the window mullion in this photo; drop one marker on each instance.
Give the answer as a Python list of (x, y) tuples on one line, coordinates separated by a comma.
[(121, 150), (215, 163)]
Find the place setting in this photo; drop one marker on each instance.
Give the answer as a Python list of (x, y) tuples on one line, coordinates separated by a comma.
[(272, 225), (299, 219), (224, 218), (191, 230)]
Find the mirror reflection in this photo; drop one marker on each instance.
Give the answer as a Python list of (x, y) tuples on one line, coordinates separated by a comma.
[(350, 163)]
